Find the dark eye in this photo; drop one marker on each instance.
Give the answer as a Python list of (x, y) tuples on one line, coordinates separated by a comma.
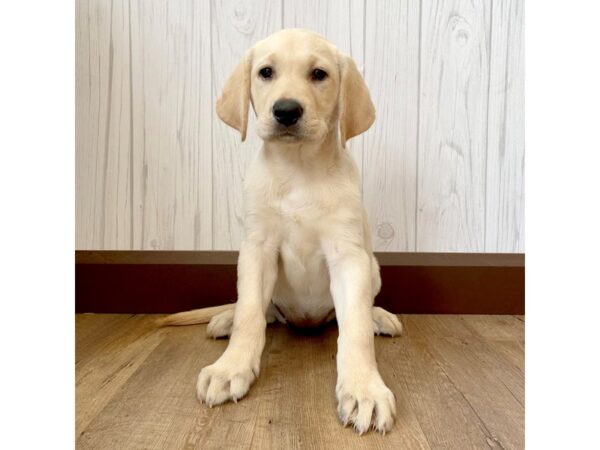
[(318, 74), (266, 73)]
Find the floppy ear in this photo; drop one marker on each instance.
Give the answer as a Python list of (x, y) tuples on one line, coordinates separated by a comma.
[(232, 105), (357, 112)]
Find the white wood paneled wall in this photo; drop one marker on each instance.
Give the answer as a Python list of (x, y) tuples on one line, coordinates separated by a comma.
[(442, 167)]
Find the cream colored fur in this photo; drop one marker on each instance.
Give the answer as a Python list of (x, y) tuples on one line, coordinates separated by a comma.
[(307, 255), (195, 316)]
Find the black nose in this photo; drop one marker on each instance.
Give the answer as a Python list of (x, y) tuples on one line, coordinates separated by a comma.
[(287, 112)]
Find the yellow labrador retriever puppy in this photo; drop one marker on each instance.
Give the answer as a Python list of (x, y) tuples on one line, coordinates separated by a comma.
[(307, 255)]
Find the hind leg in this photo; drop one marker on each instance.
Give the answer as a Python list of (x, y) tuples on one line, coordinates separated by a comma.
[(386, 323), (221, 324)]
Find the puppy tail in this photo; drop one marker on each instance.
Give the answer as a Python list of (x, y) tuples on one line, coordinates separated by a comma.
[(195, 316)]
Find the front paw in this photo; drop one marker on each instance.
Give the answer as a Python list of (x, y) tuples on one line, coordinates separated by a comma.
[(225, 380), (365, 401)]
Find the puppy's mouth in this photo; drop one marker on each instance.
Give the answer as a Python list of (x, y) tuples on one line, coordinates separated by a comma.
[(287, 134), (302, 131)]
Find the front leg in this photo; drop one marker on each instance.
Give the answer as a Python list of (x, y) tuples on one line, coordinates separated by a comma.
[(230, 377), (363, 398)]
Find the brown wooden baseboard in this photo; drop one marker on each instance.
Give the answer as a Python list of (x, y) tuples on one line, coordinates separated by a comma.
[(424, 283)]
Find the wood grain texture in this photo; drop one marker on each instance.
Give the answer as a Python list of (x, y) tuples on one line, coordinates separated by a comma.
[(455, 45), (390, 148), (103, 182), (506, 132), (172, 124), (235, 27), (144, 174), (446, 418), (157, 404), (490, 383), (340, 21), (442, 166), (454, 389), (106, 363)]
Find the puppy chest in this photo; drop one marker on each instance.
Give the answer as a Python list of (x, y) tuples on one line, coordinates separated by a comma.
[(301, 207), (304, 267)]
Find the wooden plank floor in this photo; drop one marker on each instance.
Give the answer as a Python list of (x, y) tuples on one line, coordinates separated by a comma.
[(459, 382)]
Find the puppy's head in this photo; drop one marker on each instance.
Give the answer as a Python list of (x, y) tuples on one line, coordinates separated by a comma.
[(300, 86)]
